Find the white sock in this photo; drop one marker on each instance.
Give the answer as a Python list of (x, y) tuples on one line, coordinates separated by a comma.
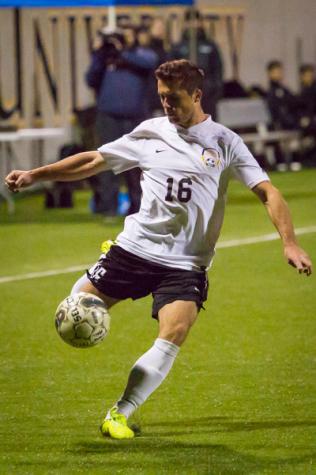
[(147, 374)]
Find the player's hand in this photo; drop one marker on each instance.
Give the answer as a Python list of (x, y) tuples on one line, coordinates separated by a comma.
[(19, 179), (298, 258)]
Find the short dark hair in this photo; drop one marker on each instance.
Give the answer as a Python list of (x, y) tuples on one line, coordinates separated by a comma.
[(304, 68), (187, 74), (142, 29), (274, 64)]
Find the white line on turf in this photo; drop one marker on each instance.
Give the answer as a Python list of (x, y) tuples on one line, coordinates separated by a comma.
[(45, 273), (263, 238), (220, 245)]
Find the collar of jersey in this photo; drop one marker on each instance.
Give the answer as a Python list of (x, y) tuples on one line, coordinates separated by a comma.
[(196, 127)]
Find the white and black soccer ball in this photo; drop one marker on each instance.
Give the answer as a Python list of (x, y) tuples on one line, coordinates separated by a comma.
[(82, 320)]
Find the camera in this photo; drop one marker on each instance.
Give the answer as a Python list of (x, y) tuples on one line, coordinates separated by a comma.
[(112, 43)]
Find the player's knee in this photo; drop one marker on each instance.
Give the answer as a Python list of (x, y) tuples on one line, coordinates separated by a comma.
[(176, 333)]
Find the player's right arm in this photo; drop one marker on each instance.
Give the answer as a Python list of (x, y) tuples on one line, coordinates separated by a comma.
[(76, 167)]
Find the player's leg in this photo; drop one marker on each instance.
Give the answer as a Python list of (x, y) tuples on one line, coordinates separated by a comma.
[(83, 284), (176, 319), (149, 371), (118, 422), (178, 296)]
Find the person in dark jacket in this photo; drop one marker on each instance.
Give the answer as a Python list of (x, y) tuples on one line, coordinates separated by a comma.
[(307, 99), (149, 42), (207, 56), (283, 106), (281, 101), (118, 73)]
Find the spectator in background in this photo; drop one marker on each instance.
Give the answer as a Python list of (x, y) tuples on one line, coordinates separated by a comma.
[(281, 101), (123, 21), (148, 42), (283, 106), (207, 57), (307, 99), (158, 37), (118, 73), (146, 22)]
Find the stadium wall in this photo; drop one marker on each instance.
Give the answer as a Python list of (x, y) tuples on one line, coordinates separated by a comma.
[(281, 29), (44, 52)]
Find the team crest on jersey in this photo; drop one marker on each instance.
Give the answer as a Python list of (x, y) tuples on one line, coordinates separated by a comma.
[(210, 157)]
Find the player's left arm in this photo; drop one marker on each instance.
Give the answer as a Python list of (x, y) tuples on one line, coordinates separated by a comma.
[(281, 218)]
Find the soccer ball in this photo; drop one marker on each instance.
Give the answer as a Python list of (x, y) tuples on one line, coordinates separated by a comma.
[(82, 320)]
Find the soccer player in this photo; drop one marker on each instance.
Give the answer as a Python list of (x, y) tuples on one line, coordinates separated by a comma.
[(166, 248)]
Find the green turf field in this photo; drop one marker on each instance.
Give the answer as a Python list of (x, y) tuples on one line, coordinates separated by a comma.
[(241, 398)]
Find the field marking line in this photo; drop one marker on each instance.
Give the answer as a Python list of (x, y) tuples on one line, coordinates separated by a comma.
[(220, 245), (263, 238)]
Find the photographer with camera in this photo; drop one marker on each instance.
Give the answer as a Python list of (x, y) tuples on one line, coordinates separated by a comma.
[(118, 73)]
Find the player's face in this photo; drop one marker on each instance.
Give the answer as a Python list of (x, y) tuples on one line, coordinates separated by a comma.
[(178, 104)]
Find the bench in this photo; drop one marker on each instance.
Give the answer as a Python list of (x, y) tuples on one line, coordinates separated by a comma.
[(9, 158), (245, 113)]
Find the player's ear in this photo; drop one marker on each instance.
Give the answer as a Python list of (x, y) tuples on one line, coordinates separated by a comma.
[(197, 95)]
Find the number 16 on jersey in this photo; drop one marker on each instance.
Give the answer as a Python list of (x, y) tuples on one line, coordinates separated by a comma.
[(182, 191)]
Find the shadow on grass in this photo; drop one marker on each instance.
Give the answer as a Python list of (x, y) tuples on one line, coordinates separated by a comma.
[(178, 456), (192, 448), (157, 455), (143, 456), (221, 424)]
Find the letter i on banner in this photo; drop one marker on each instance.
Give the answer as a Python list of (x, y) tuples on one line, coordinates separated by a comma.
[(234, 25)]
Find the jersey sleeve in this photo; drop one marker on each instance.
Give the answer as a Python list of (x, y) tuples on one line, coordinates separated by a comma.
[(245, 167), (123, 154)]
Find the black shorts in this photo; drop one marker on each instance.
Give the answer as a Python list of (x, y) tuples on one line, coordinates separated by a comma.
[(122, 275)]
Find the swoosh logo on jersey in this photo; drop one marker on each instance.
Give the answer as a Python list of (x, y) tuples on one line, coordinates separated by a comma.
[(159, 151)]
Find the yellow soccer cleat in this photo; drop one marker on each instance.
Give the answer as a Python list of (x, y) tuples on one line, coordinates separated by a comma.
[(106, 246), (116, 426)]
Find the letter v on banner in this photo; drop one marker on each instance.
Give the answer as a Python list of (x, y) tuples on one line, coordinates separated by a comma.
[(235, 25)]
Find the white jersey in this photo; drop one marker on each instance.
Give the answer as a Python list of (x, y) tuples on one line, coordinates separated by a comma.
[(185, 174)]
